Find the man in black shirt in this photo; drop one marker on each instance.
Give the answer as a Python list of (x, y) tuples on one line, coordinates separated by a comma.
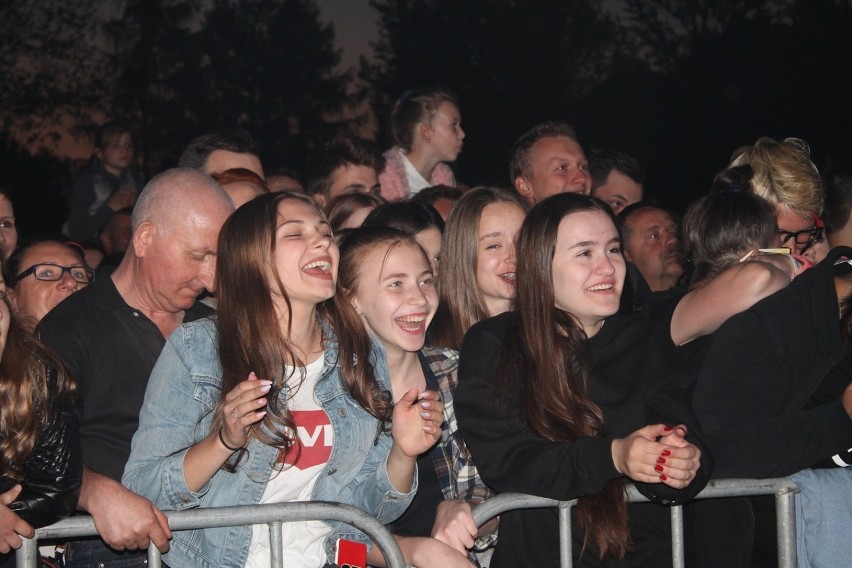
[(111, 336)]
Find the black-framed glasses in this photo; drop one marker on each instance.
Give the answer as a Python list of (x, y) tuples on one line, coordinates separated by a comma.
[(803, 237), (51, 272)]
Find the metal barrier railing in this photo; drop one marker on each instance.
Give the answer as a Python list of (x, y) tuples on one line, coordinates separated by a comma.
[(272, 515), (783, 488)]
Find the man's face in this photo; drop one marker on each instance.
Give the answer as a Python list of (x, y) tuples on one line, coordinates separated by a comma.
[(220, 160), (180, 254), (653, 246), (618, 191), (557, 164), (351, 178)]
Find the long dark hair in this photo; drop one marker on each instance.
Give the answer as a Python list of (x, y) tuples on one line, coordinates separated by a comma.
[(354, 248), (545, 360), (250, 337), (462, 304)]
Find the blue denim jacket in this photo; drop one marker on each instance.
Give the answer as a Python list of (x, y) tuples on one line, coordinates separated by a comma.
[(182, 393)]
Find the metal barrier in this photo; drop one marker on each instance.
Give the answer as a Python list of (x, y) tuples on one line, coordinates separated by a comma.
[(272, 514), (275, 514), (783, 488)]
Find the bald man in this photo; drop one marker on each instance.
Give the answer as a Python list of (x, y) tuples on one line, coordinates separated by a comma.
[(111, 336)]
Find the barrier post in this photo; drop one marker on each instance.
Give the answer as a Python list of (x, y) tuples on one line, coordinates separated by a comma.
[(785, 513), (677, 537), (27, 555), (566, 554)]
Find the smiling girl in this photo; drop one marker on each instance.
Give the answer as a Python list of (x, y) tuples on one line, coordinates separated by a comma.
[(263, 405), (388, 279), (564, 398), (477, 279)]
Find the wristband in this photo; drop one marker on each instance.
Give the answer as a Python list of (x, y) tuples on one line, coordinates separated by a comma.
[(224, 443)]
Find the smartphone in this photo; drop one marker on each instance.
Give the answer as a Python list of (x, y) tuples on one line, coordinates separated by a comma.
[(351, 554)]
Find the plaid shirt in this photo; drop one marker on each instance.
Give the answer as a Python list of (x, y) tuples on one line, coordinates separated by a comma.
[(454, 465)]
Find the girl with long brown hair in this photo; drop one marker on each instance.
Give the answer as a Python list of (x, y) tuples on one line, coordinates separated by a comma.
[(477, 278), (565, 398), (264, 404), (40, 458), (388, 278)]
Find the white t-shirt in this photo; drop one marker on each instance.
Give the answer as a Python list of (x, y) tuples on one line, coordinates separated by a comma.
[(303, 541), (415, 179)]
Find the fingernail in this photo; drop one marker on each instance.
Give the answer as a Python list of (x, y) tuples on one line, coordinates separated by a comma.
[(661, 460), (265, 388), (668, 428), (663, 478), (426, 415), (658, 467), (665, 453), (426, 404)]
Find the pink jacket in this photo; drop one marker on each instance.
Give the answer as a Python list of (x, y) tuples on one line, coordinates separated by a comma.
[(394, 184)]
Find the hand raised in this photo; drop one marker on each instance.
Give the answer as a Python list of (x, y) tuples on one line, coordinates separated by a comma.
[(416, 422), (243, 406)]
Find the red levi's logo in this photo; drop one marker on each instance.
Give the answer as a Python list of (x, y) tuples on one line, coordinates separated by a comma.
[(313, 446)]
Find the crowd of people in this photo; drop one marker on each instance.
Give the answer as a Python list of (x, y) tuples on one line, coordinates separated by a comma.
[(381, 335)]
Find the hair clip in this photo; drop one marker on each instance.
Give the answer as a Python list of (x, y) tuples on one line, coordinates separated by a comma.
[(735, 187)]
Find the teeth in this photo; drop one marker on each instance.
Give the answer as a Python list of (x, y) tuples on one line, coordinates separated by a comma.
[(599, 287), (412, 319), (324, 265), (509, 276)]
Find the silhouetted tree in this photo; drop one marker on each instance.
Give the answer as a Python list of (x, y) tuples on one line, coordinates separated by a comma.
[(153, 71), (48, 67), (272, 68)]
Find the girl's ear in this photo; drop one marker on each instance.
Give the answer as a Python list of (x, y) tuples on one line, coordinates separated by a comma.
[(353, 300), (425, 131)]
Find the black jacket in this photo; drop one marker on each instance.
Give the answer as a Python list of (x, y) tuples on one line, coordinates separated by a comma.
[(636, 379), (53, 473), (755, 392)]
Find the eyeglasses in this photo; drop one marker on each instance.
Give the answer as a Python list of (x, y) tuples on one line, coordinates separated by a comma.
[(803, 237), (51, 272)]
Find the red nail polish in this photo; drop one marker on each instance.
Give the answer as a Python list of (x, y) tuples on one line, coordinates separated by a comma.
[(665, 453), (663, 478), (661, 460), (668, 428), (658, 467)]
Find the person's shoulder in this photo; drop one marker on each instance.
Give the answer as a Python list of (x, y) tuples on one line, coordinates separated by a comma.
[(491, 331), (440, 359), (198, 333), (73, 310), (635, 328)]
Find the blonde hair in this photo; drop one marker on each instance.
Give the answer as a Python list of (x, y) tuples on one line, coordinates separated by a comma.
[(783, 173)]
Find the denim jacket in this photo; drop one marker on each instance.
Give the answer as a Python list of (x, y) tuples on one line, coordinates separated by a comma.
[(182, 393)]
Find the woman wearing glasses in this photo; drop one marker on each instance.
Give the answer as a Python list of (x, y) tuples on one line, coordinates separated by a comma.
[(42, 274), (785, 176)]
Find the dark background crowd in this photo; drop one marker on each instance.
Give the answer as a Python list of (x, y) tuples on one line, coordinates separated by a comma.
[(676, 84)]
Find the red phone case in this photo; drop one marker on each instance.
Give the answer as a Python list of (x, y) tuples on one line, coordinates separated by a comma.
[(351, 554)]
